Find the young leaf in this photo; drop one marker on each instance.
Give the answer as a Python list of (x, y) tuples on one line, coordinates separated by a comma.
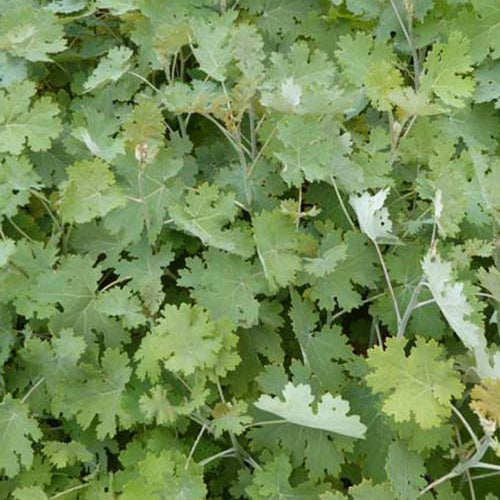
[(419, 386), (373, 216), (486, 399)]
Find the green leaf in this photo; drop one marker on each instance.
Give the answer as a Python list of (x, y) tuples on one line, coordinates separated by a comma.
[(272, 482), (366, 490), (144, 131), (110, 69), (18, 430), (197, 349), (405, 470), (213, 47), (277, 243), (381, 81), (101, 394), (358, 268), (163, 475), (230, 417), (66, 6), (419, 386), (63, 454), (205, 214), (326, 350), (331, 414), (445, 71), (359, 54), (302, 82), (12, 69), (89, 192), (311, 149), (30, 32), (148, 190), (7, 248), (145, 269), (480, 26), (23, 122), (279, 18), (226, 285), (17, 179), (30, 493)]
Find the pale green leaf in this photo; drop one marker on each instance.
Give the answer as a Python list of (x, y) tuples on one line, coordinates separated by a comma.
[(110, 69), (331, 414)]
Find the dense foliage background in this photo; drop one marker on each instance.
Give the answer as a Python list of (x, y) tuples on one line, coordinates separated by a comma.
[(248, 249)]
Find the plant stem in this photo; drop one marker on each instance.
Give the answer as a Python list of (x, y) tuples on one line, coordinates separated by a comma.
[(389, 284), (147, 82), (342, 205), (467, 426), (261, 151), (253, 137), (19, 230), (409, 309), (264, 422), (437, 482), (70, 490), (195, 444), (299, 208), (237, 147), (226, 453), (416, 65), (424, 303), (115, 282), (46, 205), (32, 390)]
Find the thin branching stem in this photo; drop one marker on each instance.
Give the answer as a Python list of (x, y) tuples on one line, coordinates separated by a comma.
[(411, 44), (32, 390), (230, 452), (146, 81), (412, 305), (70, 490), (389, 284), (195, 444), (342, 205), (264, 422)]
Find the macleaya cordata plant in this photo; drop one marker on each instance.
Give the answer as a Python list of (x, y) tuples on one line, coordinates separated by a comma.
[(249, 249)]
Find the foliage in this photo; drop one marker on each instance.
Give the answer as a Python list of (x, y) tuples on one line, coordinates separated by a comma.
[(249, 249)]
